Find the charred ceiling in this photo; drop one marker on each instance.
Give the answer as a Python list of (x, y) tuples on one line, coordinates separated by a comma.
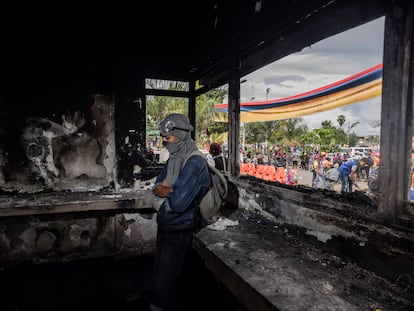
[(53, 62), (185, 40)]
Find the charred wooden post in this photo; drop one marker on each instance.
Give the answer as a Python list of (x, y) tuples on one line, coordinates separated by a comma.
[(234, 116), (397, 109), (192, 106), (130, 122)]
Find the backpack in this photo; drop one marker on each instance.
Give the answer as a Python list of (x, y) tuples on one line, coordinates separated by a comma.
[(215, 197), (373, 180), (221, 159)]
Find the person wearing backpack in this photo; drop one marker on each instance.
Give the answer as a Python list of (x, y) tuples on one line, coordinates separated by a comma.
[(365, 165), (220, 161), (332, 175), (183, 182)]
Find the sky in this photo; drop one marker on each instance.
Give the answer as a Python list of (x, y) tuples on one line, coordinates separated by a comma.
[(325, 62)]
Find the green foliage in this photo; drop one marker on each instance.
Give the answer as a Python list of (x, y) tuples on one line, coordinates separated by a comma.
[(158, 107), (353, 139), (328, 137), (279, 131), (293, 128), (288, 132), (206, 126), (327, 124)]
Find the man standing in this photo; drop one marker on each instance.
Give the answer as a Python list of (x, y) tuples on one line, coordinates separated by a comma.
[(183, 181), (347, 174)]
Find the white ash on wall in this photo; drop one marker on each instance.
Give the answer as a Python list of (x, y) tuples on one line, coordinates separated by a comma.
[(62, 240), (77, 154)]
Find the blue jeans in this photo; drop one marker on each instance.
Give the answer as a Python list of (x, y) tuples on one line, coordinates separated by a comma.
[(346, 182), (171, 251), (314, 174)]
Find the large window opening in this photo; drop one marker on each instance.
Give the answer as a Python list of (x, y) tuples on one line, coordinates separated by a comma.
[(341, 75), (158, 107)]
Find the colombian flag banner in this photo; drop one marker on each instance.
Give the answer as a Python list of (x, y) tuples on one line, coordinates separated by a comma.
[(358, 87)]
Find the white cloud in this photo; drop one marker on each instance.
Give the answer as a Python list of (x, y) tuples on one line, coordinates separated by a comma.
[(325, 62)]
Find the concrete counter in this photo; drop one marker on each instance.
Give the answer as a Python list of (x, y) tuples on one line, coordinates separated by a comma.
[(270, 266)]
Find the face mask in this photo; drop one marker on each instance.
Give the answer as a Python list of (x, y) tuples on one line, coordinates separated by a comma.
[(173, 147)]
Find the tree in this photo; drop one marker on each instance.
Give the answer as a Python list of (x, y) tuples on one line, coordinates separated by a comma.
[(341, 120), (349, 128), (206, 127), (284, 132), (293, 129), (257, 132), (158, 107), (327, 124), (309, 138)]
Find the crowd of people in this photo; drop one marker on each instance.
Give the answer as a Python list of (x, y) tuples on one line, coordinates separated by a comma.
[(343, 168), (328, 169)]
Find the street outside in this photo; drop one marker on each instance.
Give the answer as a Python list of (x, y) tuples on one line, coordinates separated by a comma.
[(305, 179)]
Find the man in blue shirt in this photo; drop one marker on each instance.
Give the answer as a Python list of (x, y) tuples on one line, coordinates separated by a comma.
[(347, 174), (183, 182)]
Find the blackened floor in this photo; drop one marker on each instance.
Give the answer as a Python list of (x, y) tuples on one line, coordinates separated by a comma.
[(106, 284)]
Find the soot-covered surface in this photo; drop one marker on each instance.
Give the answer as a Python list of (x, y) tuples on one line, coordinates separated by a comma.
[(106, 284), (287, 271)]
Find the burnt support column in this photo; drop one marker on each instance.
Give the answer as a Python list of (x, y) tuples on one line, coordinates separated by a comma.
[(234, 116), (192, 106), (397, 109), (130, 125)]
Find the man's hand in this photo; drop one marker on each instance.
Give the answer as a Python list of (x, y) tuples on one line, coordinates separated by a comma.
[(163, 189)]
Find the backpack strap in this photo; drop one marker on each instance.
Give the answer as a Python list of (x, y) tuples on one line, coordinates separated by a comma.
[(195, 152)]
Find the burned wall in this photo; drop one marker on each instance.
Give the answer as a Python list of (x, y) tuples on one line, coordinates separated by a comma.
[(44, 228), (60, 195), (58, 147), (60, 240)]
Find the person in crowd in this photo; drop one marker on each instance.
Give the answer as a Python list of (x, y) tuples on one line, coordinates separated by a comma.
[(260, 159), (183, 182), (151, 155), (242, 158), (295, 159), (332, 175), (373, 182), (337, 159), (347, 174), (326, 164), (315, 167), (304, 161), (220, 161), (365, 165), (210, 159)]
